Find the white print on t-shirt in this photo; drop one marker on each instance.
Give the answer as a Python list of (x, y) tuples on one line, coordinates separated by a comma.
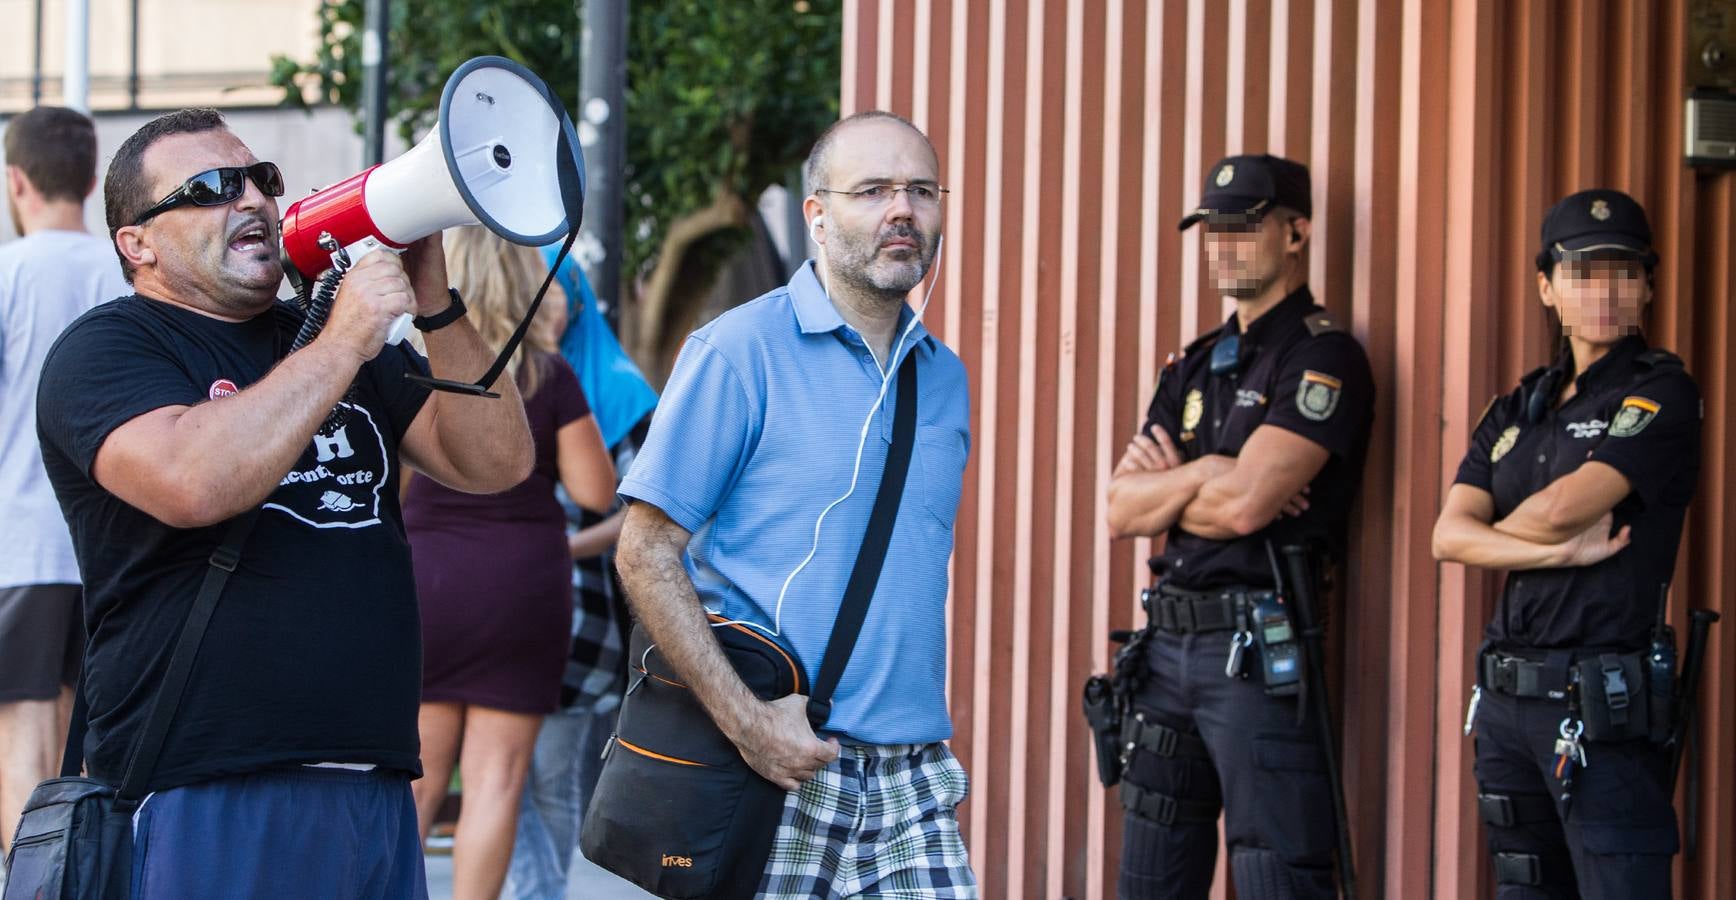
[(1589, 429), (337, 446), (340, 485)]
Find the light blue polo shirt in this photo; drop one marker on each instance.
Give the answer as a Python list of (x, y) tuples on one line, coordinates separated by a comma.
[(755, 434)]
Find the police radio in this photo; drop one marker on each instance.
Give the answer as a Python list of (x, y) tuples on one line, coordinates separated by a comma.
[(1274, 632), (1661, 674), (1280, 653)]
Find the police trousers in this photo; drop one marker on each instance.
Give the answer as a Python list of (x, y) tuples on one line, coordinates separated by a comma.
[(1612, 839), (1241, 751)]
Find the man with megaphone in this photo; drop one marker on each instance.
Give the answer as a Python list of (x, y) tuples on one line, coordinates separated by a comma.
[(175, 421)]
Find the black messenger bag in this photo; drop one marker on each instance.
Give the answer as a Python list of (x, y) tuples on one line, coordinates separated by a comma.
[(677, 810), (75, 839)]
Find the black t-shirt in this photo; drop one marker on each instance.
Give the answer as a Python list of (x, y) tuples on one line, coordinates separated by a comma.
[(1299, 371), (314, 652), (1636, 410)]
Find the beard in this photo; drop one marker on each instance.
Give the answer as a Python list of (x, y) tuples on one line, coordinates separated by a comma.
[(1246, 283), (862, 260), (258, 268), (1240, 288)]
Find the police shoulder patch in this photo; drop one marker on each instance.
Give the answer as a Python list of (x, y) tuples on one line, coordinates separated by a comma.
[(1317, 395), (1635, 414)]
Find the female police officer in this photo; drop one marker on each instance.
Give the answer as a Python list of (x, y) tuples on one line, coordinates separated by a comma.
[(1577, 483)]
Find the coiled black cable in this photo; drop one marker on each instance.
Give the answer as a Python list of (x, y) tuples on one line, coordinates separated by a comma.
[(316, 308)]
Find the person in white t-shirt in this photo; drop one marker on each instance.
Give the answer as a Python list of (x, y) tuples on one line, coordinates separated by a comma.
[(50, 276)]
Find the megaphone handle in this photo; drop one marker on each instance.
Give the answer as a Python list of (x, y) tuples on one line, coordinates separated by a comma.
[(400, 329), (400, 326)]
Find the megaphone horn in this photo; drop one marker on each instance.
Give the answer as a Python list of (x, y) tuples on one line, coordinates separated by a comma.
[(503, 155)]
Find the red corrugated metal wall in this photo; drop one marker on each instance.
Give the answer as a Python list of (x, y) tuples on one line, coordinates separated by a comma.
[(1073, 134)]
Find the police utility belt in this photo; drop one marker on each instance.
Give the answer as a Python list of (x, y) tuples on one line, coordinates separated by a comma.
[(1619, 696), (1257, 618), (1187, 612)]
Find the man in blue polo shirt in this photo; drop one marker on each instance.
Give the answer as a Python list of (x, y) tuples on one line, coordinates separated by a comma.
[(759, 432)]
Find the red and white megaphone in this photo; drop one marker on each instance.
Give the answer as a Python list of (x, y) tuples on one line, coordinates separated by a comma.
[(504, 155)]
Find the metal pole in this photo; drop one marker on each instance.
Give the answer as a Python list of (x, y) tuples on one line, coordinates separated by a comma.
[(603, 135), (36, 60), (133, 65), (75, 81), (376, 24)]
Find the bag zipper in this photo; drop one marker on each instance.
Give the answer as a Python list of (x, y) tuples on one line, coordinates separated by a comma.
[(652, 754)]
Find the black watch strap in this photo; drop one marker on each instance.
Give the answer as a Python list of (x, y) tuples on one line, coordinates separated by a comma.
[(443, 318)]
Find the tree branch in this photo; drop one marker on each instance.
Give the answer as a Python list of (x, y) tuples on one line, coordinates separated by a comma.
[(668, 298)]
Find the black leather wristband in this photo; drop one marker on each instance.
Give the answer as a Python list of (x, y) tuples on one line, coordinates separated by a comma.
[(443, 318)]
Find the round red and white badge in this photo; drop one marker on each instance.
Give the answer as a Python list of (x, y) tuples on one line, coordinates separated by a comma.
[(223, 387)]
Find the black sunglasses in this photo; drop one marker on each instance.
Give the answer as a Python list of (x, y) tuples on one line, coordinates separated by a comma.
[(217, 187)]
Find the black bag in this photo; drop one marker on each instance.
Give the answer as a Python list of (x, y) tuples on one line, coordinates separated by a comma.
[(75, 839), (676, 809)]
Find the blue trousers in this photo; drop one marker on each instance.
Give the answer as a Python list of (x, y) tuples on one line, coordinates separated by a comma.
[(284, 834)]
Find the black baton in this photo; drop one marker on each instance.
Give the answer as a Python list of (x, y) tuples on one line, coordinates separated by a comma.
[(1693, 661), (1301, 577)]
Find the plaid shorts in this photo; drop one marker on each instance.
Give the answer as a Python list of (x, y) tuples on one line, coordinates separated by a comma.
[(881, 821)]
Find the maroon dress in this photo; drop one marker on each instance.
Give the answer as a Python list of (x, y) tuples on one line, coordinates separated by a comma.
[(493, 573)]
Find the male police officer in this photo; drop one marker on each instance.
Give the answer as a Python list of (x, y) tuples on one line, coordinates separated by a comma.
[(1253, 442), (1596, 450)]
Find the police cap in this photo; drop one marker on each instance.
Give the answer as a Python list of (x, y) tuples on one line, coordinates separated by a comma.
[(1599, 222), (1242, 189)]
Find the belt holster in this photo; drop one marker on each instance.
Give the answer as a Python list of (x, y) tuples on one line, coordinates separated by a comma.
[(1613, 697)]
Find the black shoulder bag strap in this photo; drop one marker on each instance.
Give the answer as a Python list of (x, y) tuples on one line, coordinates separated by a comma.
[(143, 761), (872, 557)]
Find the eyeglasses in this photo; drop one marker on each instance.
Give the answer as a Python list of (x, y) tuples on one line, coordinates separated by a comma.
[(216, 187), (923, 196)]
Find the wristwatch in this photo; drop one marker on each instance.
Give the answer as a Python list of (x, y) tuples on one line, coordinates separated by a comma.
[(443, 318)]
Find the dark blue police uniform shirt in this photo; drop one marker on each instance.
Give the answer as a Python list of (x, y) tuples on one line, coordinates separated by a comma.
[(1301, 372), (1639, 412)]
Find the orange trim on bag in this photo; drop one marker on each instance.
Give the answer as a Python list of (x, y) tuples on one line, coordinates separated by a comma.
[(794, 669), (654, 755)]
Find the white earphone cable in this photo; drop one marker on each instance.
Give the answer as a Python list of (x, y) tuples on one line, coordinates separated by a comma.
[(862, 440)]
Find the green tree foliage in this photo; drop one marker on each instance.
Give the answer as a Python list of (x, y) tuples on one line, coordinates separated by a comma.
[(723, 100)]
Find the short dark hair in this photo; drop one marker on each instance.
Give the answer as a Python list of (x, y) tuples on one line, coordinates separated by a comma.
[(126, 190), (814, 170), (56, 149)]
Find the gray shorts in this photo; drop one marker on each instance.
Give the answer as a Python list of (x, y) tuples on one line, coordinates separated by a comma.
[(41, 640)]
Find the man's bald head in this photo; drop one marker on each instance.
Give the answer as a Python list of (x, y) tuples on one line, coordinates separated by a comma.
[(816, 169)]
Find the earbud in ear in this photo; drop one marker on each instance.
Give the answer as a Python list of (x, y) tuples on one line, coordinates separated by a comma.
[(814, 228)]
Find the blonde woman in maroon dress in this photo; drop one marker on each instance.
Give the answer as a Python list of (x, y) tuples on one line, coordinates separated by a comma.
[(494, 575)]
